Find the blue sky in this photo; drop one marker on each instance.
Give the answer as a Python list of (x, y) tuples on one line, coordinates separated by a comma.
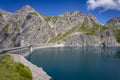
[(102, 9)]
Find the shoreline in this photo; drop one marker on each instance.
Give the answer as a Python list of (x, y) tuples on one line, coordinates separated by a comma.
[(51, 46), (37, 72), (62, 45)]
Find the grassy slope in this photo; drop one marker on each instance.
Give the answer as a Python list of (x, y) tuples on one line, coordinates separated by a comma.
[(79, 28), (54, 18), (10, 70), (117, 34), (63, 36), (5, 29), (92, 30), (116, 31)]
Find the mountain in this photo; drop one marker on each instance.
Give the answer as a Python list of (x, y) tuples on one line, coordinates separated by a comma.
[(28, 27), (114, 25), (114, 22)]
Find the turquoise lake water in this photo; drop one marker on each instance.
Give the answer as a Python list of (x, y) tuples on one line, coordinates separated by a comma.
[(91, 63)]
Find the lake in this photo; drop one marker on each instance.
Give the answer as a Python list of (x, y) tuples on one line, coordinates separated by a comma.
[(78, 63)]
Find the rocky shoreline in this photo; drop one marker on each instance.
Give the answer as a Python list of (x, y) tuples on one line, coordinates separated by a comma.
[(37, 73)]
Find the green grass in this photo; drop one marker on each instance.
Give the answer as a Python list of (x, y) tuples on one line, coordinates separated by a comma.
[(54, 18), (63, 36), (55, 39), (67, 21), (10, 70), (17, 27), (47, 18), (116, 31), (80, 28), (117, 34), (5, 29), (34, 13), (92, 30)]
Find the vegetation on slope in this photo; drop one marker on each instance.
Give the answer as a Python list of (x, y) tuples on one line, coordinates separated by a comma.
[(80, 28), (117, 34), (93, 30), (10, 70), (47, 18), (5, 29), (63, 36), (116, 31), (53, 18), (113, 24), (34, 13), (17, 27)]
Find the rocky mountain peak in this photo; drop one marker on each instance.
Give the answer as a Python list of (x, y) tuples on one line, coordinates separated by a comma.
[(27, 6), (76, 12), (35, 29), (113, 22), (92, 18), (26, 9), (66, 14), (23, 12)]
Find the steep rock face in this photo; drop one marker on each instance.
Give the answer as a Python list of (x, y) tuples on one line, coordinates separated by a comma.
[(68, 20), (83, 30), (35, 30), (105, 38), (73, 18), (90, 20), (4, 17), (8, 32), (28, 27), (114, 22), (114, 25)]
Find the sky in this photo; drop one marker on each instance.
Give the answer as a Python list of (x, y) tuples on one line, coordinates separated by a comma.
[(103, 10)]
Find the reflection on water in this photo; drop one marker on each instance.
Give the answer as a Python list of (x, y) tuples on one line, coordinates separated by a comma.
[(79, 63)]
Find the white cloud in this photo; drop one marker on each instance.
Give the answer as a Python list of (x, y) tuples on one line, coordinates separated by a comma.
[(104, 4)]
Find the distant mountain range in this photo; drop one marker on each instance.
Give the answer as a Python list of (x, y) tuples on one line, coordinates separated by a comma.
[(29, 27)]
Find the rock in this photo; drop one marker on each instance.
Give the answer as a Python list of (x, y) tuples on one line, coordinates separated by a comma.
[(81, 40), (105, 38), (28, 27), (90, 20), (6, 15), (113, 22)]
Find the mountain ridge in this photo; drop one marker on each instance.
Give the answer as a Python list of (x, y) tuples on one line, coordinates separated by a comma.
[(27, 26)]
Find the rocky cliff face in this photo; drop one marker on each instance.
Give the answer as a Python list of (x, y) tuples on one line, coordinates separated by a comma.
[(28, 27), (114, 25), (105, 38), (114, 22)]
